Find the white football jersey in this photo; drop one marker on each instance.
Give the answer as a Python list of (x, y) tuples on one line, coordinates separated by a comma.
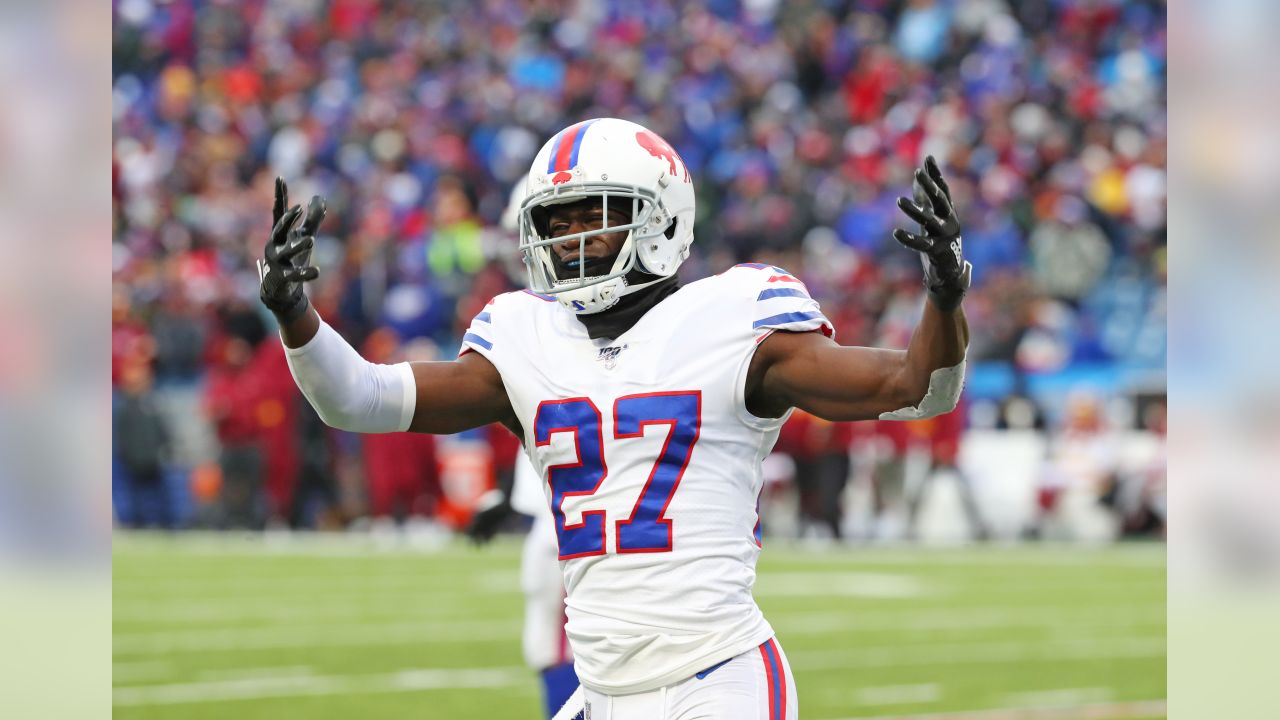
[(651, 464)]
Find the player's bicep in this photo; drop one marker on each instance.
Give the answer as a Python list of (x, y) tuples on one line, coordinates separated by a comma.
[(813, 373), (458, 395)]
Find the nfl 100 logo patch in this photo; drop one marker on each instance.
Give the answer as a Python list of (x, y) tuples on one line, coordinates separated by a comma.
[(609, 356)]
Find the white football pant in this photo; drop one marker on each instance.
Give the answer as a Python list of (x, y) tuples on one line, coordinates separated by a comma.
[(756, 685)]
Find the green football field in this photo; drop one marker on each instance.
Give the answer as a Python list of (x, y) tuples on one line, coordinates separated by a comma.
[(334, 627)]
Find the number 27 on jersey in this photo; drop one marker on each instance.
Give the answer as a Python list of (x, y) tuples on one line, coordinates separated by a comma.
[(646, 529)]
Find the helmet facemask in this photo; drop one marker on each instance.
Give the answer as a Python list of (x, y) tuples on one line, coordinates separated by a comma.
[(596, 285)]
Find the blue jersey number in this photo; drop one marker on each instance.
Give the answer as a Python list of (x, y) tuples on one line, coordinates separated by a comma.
[(646, 530), (581, 417)]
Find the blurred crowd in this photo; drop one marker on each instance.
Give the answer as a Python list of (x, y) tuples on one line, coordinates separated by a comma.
[(800, 122)]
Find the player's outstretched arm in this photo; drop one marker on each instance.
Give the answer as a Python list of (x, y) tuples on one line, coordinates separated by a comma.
[(811, 372), (459, 395), (347, 391)]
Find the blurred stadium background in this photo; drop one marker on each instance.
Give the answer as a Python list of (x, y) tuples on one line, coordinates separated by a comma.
[(342, 590)]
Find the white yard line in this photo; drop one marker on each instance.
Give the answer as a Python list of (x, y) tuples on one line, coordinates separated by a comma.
[(985, 617), (413, 680), (898, 694), (1060, 697), (142, 670), (181, 612), (304, 587), (214, 614), (253, 673), (842, 583), (1097, 711), (971, 653), (277, 544), (1110, 556), (272, 638), (344, 545), (427, 632)]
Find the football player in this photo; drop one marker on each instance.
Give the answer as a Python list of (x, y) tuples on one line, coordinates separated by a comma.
[(645, 406)]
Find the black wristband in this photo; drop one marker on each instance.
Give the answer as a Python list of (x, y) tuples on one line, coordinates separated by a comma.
[(291, 312), (946, 295), (946, 299)]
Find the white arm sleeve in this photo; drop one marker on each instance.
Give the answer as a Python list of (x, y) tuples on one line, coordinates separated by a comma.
[(349, 392), (945, 385)]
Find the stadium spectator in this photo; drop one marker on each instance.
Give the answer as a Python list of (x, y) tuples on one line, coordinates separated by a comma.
[(1139, 493), (315, 500), (276, 410), (944, 433), (820, 450), (894, 445), (143, 451), (1078, 475), (231, 397)]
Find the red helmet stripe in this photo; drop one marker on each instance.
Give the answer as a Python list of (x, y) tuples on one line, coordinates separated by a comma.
[(564, 152)]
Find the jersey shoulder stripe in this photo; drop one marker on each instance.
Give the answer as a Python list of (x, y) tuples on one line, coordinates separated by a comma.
[(782, 302), (480, 334), (507, 310), (474, 339), (788, 318), (781, 292)]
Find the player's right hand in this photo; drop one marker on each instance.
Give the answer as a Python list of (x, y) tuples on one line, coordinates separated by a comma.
[(285, 264), (492, 509)]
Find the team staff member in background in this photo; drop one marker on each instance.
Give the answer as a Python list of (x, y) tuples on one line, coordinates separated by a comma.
[(543, 640), (646, 406)]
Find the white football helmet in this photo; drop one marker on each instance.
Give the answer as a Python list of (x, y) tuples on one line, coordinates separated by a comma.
[(619, 162)]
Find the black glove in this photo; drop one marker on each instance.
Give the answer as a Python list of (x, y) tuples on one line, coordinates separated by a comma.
[(491, 511), (946, 272), (286, 262)]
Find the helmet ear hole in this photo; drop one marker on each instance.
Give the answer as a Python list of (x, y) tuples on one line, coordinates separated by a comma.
[(670, 232)]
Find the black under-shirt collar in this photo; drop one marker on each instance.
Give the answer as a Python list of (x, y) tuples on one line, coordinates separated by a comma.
[(622, 317)]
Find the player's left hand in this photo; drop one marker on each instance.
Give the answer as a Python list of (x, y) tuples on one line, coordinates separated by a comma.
[(946, 271), (492, 509)]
